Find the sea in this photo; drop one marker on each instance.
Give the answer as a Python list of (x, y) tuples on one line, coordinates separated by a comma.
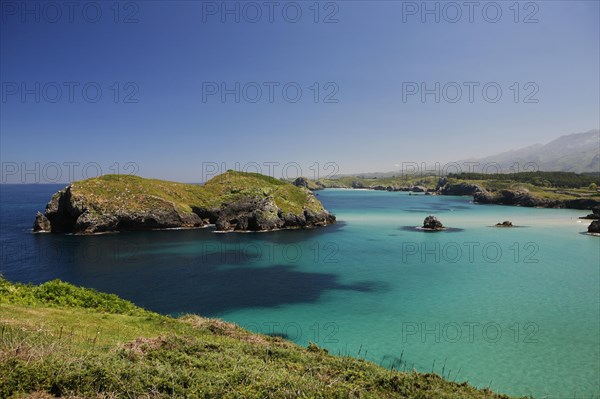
[(516, 310)]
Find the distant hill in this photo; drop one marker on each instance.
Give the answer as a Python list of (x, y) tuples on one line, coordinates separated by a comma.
[(578, 152)]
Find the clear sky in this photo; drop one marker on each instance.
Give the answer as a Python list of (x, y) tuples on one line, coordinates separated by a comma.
[(162, 68)]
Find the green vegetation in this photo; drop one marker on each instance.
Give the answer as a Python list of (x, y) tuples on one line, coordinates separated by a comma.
[(369, 182), (540, 179), (114, 194), (561, 186), (61, 340), (232, 185), (546, 180)]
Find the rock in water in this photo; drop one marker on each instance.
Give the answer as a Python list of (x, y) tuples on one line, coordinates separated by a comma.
[(594, 227), (506, 223), (432, 223), (594, 215), (41, 224)]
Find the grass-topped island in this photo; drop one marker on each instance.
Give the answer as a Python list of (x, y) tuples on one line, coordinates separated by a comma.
[(58, 340), (232, 201)]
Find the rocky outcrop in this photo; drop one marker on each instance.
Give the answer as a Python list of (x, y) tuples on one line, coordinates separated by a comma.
[(262, 214), (594, 227), (525, 198), (461, 188), (432, 223), (418, 189), (66, 213), (594, 215), (41, 223), (506, 223), (251, 204), (308, 184)]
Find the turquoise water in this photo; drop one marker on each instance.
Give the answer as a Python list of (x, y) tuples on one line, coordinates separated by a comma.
[(523, 321), (517, 309)]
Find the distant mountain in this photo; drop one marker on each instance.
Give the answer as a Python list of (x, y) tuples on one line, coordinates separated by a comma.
[(578, 152)]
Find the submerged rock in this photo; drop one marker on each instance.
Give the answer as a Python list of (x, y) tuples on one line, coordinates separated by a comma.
[(432, 223)]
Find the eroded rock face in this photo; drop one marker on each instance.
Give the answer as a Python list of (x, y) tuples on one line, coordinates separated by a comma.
[(308, 184), (253, 214), (524, 198), (595, 215), (432, 223), (66, 213), (262, 214), (594, 227), (301, 182), (460, 188), (41, 224)]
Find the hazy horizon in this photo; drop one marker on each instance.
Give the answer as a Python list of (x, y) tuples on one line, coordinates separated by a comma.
[(38, 173)]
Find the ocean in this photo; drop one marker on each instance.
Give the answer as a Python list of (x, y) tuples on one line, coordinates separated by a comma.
[(513, 309)]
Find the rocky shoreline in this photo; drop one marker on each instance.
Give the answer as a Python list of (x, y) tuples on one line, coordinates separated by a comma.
[(513, 197)]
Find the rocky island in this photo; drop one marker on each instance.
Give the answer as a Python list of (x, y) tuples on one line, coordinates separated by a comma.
[(232, 201), (431, 223)]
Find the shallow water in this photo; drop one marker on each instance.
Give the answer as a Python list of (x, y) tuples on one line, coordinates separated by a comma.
[(514, 309)]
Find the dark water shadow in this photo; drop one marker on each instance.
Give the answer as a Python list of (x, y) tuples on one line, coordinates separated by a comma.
[(215, 291), (171, 272)]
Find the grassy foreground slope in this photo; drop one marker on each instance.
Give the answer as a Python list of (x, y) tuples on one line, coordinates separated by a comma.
[(60, 340)]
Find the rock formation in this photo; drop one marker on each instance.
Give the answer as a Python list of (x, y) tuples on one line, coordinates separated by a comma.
[(594, 227), (525, 198), (233, 201), (594, 215), (308, 184), (432, 223), (461, 188)]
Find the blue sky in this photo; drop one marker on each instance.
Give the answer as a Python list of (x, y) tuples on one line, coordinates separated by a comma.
[(169, 54)]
